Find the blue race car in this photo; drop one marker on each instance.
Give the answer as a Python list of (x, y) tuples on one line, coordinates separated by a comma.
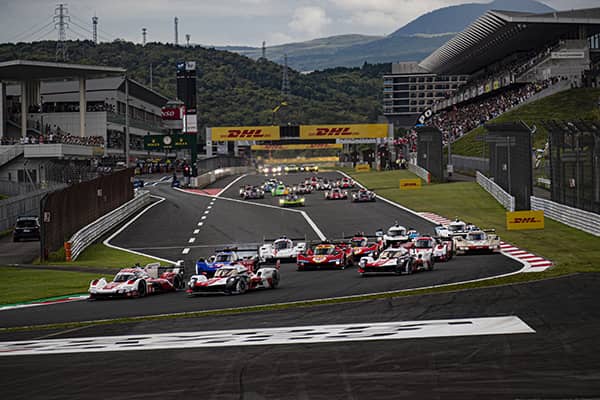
[(230, 256)]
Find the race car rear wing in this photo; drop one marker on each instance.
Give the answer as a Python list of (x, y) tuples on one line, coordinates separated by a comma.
[(154, 270), (247, 251)]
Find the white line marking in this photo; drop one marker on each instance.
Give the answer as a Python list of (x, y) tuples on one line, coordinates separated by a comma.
[(203, 217), (230, 185), (186, 250), (131, 221), (313, 225), (196, 231), (200, 223), (295, 335), (192, 240), (206, 212), (209, 207)]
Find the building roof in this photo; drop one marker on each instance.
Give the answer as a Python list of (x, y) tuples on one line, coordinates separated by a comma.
[(20, 70), (498, 34)]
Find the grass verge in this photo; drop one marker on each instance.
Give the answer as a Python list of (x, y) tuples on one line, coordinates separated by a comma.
[(101, 256), (21, 284)]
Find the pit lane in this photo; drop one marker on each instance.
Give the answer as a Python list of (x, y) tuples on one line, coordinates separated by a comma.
[(164, 231)]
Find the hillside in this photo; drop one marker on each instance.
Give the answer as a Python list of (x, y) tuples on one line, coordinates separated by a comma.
[(574, 104), (232, 89), (412, 42)]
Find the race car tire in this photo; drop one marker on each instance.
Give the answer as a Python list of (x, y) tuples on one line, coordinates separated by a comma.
[(275, 281), (300, 268), (241, 287), (142, 290), (178, 282), (431, 264)]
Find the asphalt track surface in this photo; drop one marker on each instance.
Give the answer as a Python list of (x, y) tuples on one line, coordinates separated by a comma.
[(561, 360), (164, 231)]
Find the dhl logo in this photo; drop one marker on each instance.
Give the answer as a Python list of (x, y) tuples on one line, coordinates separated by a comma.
[(341, 131), (245, 133), (525, 220), (409, 184)]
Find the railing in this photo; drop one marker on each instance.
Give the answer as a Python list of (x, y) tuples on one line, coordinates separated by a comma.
[(584, 220), (94, 231), (9, 153), (206, 179), (496, 191)]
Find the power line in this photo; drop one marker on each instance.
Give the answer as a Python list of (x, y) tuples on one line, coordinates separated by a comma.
[(35, 26), (79, 34), (44, 35)]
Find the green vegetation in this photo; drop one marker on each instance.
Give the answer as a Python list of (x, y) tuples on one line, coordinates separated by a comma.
[(22, 284), (100, 256), (575, 104), (570, 249), (232, 89)]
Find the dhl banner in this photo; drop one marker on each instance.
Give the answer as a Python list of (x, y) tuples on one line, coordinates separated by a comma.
[(343, 131), (410, 184), (310, 146), (251, 133), (522, 220), (362, 168)]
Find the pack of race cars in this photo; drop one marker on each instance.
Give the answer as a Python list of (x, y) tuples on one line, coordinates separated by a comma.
[(236, 270)]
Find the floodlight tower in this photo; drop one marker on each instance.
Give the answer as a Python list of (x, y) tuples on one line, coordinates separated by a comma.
[(144, 31), (95, 29)]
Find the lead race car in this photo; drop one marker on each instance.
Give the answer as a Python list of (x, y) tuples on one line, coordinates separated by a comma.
[(282, 248), (253, 192), (477, 241), (138, 282), (363, 195), (234, 279), (326, 254), (292, 200), (228, 256)]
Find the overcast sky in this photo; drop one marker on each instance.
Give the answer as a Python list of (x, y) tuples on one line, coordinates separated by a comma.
[(223, 22)]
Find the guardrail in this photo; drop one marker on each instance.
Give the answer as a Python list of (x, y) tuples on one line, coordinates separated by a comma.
[(496, 191), (420, 172), (544, 182), (94, 231), (584, 220), (212, 176)]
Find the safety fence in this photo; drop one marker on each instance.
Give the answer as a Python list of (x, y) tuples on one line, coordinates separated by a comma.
[(496, 191), (27, 204), (94, 231), (420, 172), (470, 164), (584, 220)]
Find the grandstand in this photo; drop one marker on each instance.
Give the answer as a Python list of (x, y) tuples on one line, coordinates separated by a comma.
[(512, 58)]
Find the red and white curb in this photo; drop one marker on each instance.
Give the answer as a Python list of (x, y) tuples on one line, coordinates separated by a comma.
[(532, 262), (44, 302)]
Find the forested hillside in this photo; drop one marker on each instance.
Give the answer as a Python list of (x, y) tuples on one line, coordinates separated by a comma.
[(232, 89)]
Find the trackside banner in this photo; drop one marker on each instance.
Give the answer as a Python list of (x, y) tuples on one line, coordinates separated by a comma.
[(410, 184), (251, 133), (367, 131), (523, 220), (310, 146)]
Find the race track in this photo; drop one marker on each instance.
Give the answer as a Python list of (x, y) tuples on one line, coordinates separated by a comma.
[(166, 231)]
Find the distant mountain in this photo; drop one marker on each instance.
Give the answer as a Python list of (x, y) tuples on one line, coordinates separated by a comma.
[(412, 42), (454, 19)]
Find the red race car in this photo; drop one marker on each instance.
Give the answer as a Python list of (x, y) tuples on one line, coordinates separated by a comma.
[(345, 183), (361, 246), (325, 255), (336, 194)]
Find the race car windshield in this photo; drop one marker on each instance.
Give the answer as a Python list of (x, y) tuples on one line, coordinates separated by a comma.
[(456, 228), (423, 244), (223, 258), (323, 251), (358, 242), (124, 277), (476, 236), (225, 272), (396, 232), (283, 244), (391, 254)]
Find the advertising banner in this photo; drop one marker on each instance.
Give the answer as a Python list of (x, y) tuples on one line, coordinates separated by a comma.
[(191, 124), (362, 168), (252, 133), (310, 146), (172, 113), (410, 184), (343, 131), (168, 142), (524, 220)]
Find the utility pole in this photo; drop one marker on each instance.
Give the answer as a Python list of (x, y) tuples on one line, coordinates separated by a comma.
[(144, 31), (61, 21), (264, 50), (95, 29), (126, 121), (151, 75), (285, 81), (187, 39), (176, 31)]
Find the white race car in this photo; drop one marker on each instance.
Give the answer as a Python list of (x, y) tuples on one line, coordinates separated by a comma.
[(395, 235), (281, 249), (454, 228), (477, 241), (423, 251), (234, 279), (397, 260)]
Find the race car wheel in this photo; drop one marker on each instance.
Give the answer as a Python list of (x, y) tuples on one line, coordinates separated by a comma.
[(300, 268), (241, 287), (431, 264), (142, 290), (275, 281), (178, 282)]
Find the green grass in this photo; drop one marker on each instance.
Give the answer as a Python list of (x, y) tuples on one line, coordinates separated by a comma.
[(570, 105), (22, 284), (101, 256), (570, 249)]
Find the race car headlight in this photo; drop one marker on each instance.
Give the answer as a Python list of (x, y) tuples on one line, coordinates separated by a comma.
[(281, 202), (301, 200)]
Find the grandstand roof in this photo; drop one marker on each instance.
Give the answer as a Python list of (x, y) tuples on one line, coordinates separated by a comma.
[(498, 34), (21, 70)]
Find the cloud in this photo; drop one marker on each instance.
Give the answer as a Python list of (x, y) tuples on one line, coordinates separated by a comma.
[(311, 21)]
